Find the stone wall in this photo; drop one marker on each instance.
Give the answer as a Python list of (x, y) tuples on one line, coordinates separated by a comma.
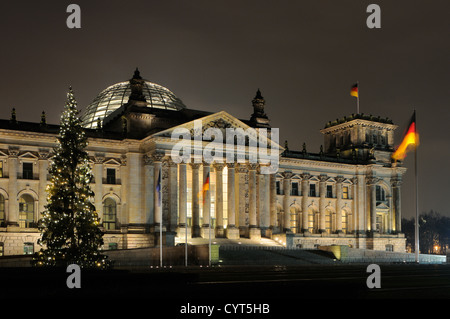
[(351, 255)]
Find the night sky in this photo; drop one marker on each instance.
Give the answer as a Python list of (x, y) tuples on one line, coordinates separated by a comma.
[(303, 56)]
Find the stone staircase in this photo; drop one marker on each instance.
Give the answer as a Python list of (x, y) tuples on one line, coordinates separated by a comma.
[(270, 256)]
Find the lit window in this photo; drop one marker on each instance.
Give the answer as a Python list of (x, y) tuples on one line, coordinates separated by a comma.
[(26, 211), (2, 211), (28, 248), (345, 192), (109, 214)]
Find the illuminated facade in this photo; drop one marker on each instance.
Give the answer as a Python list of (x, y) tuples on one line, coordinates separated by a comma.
[(347, 194)]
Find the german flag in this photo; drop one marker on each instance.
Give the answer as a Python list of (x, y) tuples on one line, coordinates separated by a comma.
[(205, 188), (354, 90), (410, 140)]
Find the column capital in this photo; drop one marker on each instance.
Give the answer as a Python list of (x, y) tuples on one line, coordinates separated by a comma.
[(123, 160), (205, 163), (339, 179), (323, 178), (305, 176), (195, 165), (242, 168), (99, 158), (372, 180), (157, 156), (252, 166), (396, 182), (43, 154), (148, 160), (287, 174), (13, 152), (231, 165), (218, 166)]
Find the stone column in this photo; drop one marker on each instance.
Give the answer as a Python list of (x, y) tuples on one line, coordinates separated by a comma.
[(173, 195), (286, 199), (206, 202), (339, 181), (98, 188), (149, 193), (355, 199), (265, 209), (254, 231), (322, 202), (273, 204), (195, 201), (219, 200), (242, 202), (232, 231), (158, 192), (182, 200), (13, 211), (305, 195), (43, 172), (396, 204), (371, 184)]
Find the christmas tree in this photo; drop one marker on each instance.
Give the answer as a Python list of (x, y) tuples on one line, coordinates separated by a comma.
[(69, 225)]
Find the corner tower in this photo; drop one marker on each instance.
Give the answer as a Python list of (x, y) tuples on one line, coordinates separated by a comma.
[(362, 136)]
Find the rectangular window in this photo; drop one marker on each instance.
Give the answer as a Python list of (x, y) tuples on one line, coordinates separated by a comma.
[(1, 169), (329, 191), (112, 246), (294, 189), (312, 190), (110, 176), (278, 188), (345, 192), (27, 170), (28, 249)]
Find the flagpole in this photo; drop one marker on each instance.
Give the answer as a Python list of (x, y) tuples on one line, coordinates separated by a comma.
[(357, 99), (185, 242), (417, 195), (161, 221)]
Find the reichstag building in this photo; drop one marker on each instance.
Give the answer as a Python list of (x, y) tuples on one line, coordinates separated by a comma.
[(347, 194)]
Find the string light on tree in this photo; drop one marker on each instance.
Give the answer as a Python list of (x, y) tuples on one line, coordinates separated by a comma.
[(69, 223)]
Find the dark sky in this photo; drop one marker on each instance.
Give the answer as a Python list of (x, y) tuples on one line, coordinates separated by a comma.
[(214, 55)]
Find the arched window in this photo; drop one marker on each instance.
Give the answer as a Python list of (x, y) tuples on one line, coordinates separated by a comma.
[(328, 215), (109, 214), (344, 221), (2, 211), (26, 211), (380, 194)]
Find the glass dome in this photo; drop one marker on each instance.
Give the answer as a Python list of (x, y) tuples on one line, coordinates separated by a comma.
[(116, 95)]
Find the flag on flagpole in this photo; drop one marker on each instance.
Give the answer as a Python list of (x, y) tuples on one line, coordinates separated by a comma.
[(205, 188), (158, 188), (410, 140), (354, 90)]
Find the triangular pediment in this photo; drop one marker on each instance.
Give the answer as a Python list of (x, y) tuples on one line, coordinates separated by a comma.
[(112, 161), (28, 155), (226, 124), (382, 206)]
